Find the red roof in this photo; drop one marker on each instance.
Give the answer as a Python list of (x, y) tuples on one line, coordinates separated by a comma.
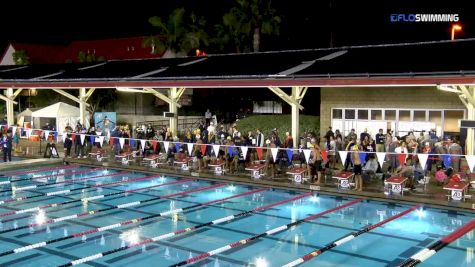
[(123, 48)]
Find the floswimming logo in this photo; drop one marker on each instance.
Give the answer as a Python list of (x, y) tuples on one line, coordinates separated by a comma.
[(424, 17)]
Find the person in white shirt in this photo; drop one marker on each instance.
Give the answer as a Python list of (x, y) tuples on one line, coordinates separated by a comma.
[(402, 149), (208, 117), (370, 168)]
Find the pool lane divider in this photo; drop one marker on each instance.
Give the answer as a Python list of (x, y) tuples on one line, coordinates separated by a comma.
[(269, 232), (186, 230), (54, 183), (428, 252), (13, 200), (125, 192), (50, 175), (120, 224), (347, 238), (121, 206), (8, 174)]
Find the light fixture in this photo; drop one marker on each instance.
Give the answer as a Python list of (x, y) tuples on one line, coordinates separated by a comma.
[(447, 88), (129, 90)]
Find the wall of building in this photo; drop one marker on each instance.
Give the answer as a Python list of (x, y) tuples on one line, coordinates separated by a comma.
[(385, 97)]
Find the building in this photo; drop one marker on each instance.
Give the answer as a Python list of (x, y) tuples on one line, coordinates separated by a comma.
[(106, 49)]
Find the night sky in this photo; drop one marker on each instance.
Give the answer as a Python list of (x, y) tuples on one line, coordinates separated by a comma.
[(306, 24)]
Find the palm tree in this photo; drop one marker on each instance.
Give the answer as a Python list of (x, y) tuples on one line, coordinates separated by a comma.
[(244, 24), (174, 36)]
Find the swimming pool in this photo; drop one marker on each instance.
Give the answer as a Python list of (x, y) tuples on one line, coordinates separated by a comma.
[(103, 217)]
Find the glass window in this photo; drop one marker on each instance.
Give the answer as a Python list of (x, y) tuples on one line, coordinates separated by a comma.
[(362, 114), (390, 115), (376, 114), (435, 116), (404, 115), (419, 115), (337, 114), (451, 120), (350, 114)]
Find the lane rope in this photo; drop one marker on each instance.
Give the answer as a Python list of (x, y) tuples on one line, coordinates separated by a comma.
[(116, 225), (269, 232), (8, 174), (52, 183), (428, 252), (92, 212), (48, 175), (53, 205), (346, 238)]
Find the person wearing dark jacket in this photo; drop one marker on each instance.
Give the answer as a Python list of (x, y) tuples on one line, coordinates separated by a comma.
[(6, 145)]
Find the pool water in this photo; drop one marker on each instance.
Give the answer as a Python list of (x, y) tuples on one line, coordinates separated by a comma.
[(387, 245)]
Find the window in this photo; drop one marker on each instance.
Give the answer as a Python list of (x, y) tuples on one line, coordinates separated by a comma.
[(376, 114), (362, 114), (390, 115), (350, 114), (419, 115), (451, 119), (404, 115), (337, 114)]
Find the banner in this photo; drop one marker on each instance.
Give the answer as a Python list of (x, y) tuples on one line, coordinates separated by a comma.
[(142, 143), (259, 152), (13, 131), (290, 154), (230, 151), (190, 148), (121, 142), (177, 147), (325, 155), (307, 152), (91, 138), (381, 156), (470, 161), (401, 158), (274, 151), (244, 151), (447, 160), (423, 160), (154, 145), (100, 140), (46, 134), (362, 157), (64, 136), (343, 155), (165, 145), (82, 136), (132, 142), (216, 150)]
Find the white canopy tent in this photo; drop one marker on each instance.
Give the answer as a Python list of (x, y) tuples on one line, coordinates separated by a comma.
[(63, 113)]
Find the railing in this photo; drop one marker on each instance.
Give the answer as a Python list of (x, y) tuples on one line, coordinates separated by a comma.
[(183, 123)]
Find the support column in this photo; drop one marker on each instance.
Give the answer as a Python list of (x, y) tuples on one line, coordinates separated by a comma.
[(10, 112), (295, 115), (82, 106), (173, 95)]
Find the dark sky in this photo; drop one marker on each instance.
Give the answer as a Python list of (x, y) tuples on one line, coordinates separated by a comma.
[(306, 23)]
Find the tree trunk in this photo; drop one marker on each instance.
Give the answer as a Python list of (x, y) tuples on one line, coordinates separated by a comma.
[(256, 39)]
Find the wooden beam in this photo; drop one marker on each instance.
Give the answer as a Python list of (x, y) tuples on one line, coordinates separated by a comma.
[(2, 97), (89, 94), (161, 96), (68, 95), (285, 97)]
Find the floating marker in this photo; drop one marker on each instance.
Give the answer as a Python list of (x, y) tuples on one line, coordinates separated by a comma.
[(103, 240)]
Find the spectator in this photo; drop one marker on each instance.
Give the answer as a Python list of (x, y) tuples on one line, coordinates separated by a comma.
[(380, 140), (6, 144), (208, 116), (289, 141), (370, 167)]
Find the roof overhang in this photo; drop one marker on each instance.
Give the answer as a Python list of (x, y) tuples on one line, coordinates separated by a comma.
[(253, 83)]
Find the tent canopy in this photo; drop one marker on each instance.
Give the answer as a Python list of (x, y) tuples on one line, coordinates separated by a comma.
[(63, 113), (58, 110)]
